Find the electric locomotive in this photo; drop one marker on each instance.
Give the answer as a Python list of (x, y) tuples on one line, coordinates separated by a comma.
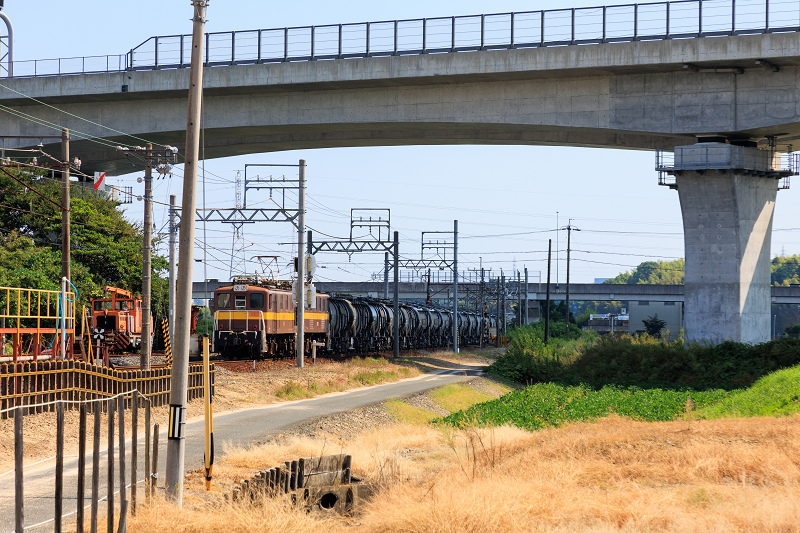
[(255, 318)]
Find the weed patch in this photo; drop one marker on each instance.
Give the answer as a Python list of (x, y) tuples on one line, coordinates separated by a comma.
[(457, 397), (374, 377), (551, 404), (409, 414), (293, 390)]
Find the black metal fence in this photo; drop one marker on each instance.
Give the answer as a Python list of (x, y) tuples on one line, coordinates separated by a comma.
[(678, 19)]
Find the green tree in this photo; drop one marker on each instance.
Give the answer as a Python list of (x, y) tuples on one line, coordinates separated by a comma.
[(106, 247), (654, 325), (652, 273), (785, 270)]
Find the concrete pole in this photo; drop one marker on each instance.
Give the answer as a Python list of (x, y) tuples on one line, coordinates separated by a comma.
[(526, 296), (173, 233), (519, 298), (566, 311), (183, 312), (455, 286), (396, 311), (480, 313), (65, 202), (547, 298), (505, 301), (497, 315), (301, 266), (386, 275), (144, 358)]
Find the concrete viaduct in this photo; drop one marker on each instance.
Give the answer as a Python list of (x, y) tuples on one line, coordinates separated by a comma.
[(726, 103)]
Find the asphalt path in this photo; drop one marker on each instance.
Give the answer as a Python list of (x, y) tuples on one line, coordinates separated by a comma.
[(238, 428)]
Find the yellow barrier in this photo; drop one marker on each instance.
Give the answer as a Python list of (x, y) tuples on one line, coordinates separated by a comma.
[(32, 313)]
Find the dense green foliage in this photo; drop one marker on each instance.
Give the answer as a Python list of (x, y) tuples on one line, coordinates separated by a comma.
[(785, 270), (643, 361), (106, 247), (652, 273), (551, 404), (773, 395)]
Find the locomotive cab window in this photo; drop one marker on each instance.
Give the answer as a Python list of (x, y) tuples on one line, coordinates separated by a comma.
[(123, 305), (241, 301), (256, 300), (223, 301), (100, 305)]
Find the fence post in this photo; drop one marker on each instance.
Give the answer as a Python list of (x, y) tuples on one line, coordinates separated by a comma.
[(95, 467), (81, 466), (110, 497), (19, 509), (154, 475), (59, 466), (134, 445), (147, 450), (123, 498)]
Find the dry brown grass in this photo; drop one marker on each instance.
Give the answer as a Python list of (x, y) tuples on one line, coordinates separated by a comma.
[(616, 475)]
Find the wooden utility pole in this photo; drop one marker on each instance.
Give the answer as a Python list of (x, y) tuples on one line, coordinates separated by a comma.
[(65, 224), (183, 315)]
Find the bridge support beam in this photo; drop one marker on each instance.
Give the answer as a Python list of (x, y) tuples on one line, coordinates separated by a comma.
[(727, 195)]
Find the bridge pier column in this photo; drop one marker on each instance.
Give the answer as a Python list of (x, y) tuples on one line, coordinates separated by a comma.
[(727, 195)]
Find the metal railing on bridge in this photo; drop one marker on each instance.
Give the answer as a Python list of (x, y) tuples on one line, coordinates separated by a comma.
[(677, 19)]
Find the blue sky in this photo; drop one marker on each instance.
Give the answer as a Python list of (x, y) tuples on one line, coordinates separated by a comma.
[(496, 192)]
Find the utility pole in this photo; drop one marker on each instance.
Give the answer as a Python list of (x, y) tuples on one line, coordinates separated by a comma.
[(547, 298), (180, 367), (144, 358), (480, 312), (173, 233), (455, 286), (428, 289), (519, 299), (386, 275), (396, 321), (526, 296), (497, 314), (569, 241), (65, 202), (503, 284), (301, 266)]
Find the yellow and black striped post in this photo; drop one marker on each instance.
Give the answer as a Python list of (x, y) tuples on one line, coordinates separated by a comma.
[(167, 344), (209, 451)]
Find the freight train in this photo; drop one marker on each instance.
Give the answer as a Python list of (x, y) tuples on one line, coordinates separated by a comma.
[(256, 319)]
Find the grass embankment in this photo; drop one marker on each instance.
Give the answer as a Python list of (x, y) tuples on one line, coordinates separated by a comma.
[(585, 378)]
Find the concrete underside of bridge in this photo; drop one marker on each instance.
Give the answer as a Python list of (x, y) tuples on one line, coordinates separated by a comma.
[(637, 95)]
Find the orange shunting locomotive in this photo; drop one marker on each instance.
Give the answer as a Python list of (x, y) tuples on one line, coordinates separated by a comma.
[(118, 318)]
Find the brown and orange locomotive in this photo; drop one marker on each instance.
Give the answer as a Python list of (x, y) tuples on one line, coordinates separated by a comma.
[(255, 318)]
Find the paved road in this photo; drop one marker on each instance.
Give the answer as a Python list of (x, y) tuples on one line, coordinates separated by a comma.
[(236, 427)]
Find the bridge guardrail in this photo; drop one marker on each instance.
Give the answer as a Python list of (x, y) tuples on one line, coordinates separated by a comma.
[(676, 19)]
